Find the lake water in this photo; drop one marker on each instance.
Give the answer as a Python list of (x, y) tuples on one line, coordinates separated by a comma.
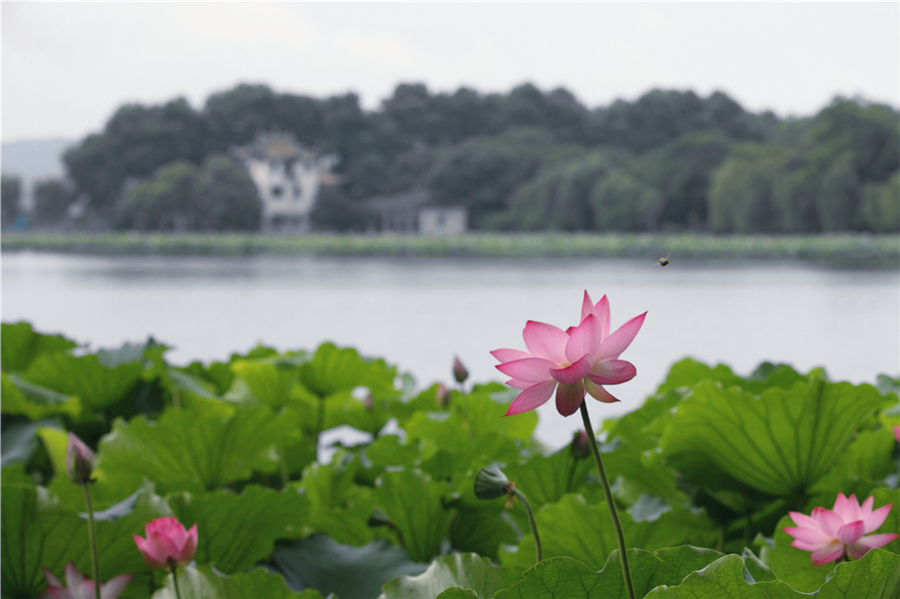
[(419, 313)]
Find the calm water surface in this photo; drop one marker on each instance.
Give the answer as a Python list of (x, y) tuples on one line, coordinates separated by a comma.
[(419, 313)]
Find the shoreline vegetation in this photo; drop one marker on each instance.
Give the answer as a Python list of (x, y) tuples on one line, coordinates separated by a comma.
[(840, 250)]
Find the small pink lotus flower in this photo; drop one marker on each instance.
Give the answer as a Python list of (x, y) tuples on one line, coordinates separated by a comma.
[(831, 534), (571, 362), (167, 544), (79, 588), (459, 371), (79, 460)]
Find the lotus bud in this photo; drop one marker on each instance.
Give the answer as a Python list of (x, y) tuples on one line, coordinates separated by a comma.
[(459, 371), (580, 446), (369, 403), (79, 461), (442, 396), (490, 483)]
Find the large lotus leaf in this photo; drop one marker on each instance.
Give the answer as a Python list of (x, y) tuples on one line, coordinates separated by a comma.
[(466, 570), (414, 503), (867, 459), (209, 452), (97, 385), (332, 370), (478, 414), (338, 507), (67, 536), (18, 442), (566, 578), (545, 479), (267, 382), (792, 565), (205, 583), (449, 449), (319, 562), (22, 539), (369, 415), (481, 531), (35, 402), (574, 528), (217, 374), (636, 427), (874, 576), (237, 531), (19, 345), (641, 473), (689, 372), (780, 442)]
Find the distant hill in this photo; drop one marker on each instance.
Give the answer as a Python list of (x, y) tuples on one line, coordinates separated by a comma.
[(34, 158)]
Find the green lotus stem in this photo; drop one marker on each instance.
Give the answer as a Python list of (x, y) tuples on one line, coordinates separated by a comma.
[(175, 578), (282, 466), (92, 536), (531, 522), (607, 492), (320, 421)]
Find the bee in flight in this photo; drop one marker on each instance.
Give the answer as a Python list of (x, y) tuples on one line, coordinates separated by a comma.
[(664, 261)]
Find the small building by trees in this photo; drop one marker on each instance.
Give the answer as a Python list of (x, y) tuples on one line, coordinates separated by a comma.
[(288, 178)]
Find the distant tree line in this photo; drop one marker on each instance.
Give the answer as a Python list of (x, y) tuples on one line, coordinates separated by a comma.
[(522, 161)]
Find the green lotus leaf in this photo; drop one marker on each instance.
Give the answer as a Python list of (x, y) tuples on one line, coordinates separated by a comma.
[(319, 562), (66, 540), (22, 539), (96, 385), (233, 544), (35, 402), (19, 345), (574, 528), (338, 507), (414, 503), (790, 564), (465, 570), (183, 447), (779, 442), (566, 578), (18, 442), (268, 383), (481, 531), (876, 575), (867, 459), (331, 370), (545, 479), (205, 583)]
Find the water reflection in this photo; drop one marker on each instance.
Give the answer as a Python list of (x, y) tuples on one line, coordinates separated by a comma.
[(419, 313)]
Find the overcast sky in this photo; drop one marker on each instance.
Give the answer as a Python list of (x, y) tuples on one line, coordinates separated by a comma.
[(68, 66)]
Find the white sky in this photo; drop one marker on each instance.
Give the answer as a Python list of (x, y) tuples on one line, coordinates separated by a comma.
[(68, 66)]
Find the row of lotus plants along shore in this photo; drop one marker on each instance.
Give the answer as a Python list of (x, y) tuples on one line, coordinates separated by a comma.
[(324, 473)]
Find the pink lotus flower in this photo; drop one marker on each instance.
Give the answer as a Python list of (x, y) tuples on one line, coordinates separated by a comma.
[(79, 460), (571, 362), (831, 534), (167, 544), (79, 588)]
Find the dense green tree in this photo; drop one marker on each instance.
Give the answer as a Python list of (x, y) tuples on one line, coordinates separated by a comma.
[(52, 200), (740, 191), (559, 197), (136, 141), (622, 202), (681, 171), (225, 197), (10, 196), (163, 202), (880, 210)]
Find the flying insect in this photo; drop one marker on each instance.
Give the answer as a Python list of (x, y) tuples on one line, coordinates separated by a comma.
[(664, 261)]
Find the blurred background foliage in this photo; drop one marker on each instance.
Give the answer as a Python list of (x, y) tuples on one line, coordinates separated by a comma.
[(523, 161)]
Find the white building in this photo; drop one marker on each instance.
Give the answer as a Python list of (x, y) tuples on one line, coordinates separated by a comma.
[(414, 212), (288, 178)]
